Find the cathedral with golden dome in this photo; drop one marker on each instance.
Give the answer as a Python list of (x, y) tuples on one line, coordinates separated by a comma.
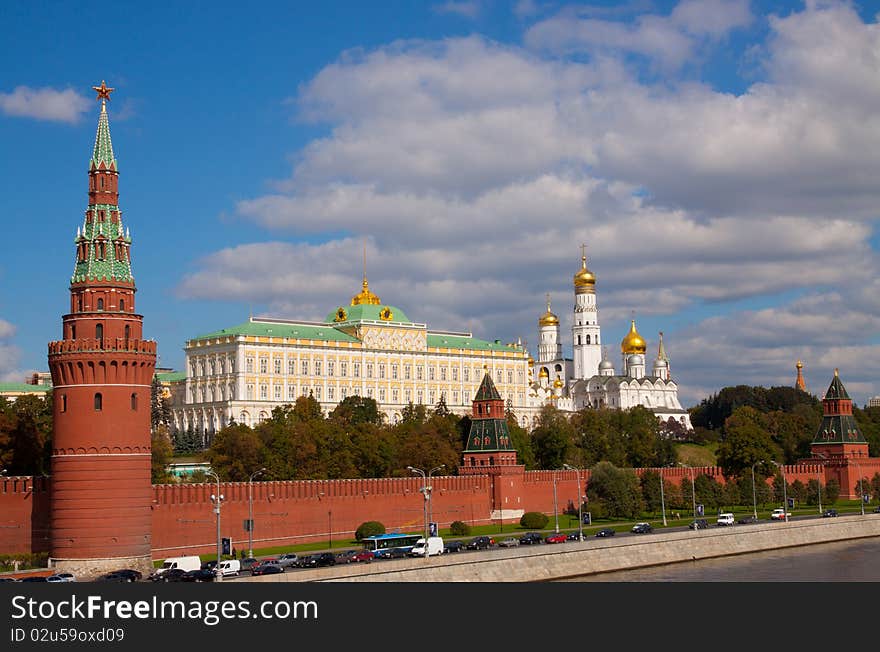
[(588, 378)]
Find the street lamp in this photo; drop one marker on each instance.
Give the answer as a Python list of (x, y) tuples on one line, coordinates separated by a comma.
[(784, 491), (426, 490), (251, 511), (861, 491), (555, 507), (216, 500), (693, 491), (580, 502), (754, 495), (662, 500)]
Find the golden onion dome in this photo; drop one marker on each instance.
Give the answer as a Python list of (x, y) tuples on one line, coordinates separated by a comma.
[(543, 373), (365, 297), (584, 280), (633, 342), (548, 318), (558, 383)]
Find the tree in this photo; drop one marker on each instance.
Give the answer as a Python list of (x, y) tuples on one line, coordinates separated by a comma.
[(551, 438), (155, 403), (442, 410), (617, 490), (746, 441), (832, 490), (161, 455), (27, 426), (356, 410), (650, 482), (235, 453)]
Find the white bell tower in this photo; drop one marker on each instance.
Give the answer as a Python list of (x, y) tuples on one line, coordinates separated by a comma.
[(585, 332)]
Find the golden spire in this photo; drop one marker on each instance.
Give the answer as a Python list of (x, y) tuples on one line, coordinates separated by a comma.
[(584, 279), (365, 297), (799, 383), (103, 91), (548, 318)]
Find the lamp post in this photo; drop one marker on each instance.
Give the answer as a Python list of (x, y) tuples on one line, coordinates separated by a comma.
[(216, 500), (555, 508), (784, 491), (426, 490), (430, 494), (754, 495), (662, 500), (693, 491), (819, 478), (580, 501), (251, 511)]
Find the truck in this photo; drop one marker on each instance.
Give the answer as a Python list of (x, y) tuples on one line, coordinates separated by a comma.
[(725, 518), (433, 547), (188, 563), (779, 514)]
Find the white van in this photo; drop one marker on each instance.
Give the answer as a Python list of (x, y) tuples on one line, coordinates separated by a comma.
[(186, 563), (434, 547), (725, 519), (230, 567)]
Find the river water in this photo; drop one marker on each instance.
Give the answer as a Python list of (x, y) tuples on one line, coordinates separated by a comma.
[(842, 561)]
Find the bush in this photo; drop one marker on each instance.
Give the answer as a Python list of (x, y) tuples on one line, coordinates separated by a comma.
[(534, 520), (368, 529), (459, 528)]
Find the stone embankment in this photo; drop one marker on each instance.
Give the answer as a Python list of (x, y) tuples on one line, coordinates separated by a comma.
[(571, 559)]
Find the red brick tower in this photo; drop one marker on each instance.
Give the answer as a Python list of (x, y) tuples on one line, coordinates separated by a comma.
[(101, 374)]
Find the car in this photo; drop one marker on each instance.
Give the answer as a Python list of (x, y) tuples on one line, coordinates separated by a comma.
[(209, 565), (174, 575), (530, 538), (573, 536), (326, 559), (248, 562), (642, 528), (605, 532), (829, 513), (698, 524), (480, 543), (559, 537), (128, 574), (267, 568), (35, 578), (8, 579), (199, 575), (307, 561), (509, 542), (362, 556), (116, 577), (746, 520), (725, 519), (397, 553), (453, 545), (288, 559), (779, 514), (346, 556), (61, 577)]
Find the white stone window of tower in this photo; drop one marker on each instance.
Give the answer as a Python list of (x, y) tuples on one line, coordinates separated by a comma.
[(277, 366), (264, 365)]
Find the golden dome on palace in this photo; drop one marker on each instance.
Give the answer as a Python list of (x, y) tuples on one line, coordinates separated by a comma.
[(633, 342), (543, 373), (558, 383), (365, 297), (584, 280)]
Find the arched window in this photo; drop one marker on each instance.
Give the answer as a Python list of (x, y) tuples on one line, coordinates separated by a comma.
[(134, 401), (127, 331), (100, 304), (99, 331), (122, 305), (99, 402), (588, 339), (64, 402)]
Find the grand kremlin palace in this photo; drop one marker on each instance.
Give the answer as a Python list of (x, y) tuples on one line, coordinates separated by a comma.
[(366, 348)]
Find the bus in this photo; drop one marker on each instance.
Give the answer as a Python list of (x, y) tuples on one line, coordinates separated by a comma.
[(380, 544)]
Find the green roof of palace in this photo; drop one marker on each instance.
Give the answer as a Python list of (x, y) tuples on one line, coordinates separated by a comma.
[(443, 340), (292, 331), (171, 376), (24, 388), (369, 312)]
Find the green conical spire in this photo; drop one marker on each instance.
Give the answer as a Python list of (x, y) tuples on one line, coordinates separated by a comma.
[(103, 152)]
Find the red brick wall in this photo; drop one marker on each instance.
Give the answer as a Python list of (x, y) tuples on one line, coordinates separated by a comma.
[(24, 515)]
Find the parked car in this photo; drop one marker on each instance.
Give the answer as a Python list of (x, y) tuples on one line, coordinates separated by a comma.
[(725, 519), (364, 556), (530, 538), (559, 537), (199, 575), (346, 556), (779, 514), (116, 577), (509, 542), (248, 562), (828, 513), (605, 532), (453, 545), (173, 575), (307, 561), (207, 565), (267, 568), (288, 559), (480, 543), (642, 528), (128, 574), (698, 524), (397, 553), (746, 520), (61, 577), (35, 578), (326, 559), (573, 536)]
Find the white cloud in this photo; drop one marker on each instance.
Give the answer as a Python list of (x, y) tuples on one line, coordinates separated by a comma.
[(466, 9), (10, 355), (44, 104)]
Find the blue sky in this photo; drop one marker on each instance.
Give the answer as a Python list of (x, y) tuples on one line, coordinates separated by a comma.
[(719, 158)]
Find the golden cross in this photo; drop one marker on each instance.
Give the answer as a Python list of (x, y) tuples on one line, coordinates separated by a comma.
[(548, 301), (103, 91), (584, 251)]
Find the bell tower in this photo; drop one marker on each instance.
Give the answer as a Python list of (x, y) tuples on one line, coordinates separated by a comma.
[(101, 374)]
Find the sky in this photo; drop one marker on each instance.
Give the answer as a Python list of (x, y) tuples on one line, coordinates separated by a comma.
[(720, 160)]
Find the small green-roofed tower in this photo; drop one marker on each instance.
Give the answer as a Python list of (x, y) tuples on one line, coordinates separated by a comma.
[(488, 441), (839, 431)]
